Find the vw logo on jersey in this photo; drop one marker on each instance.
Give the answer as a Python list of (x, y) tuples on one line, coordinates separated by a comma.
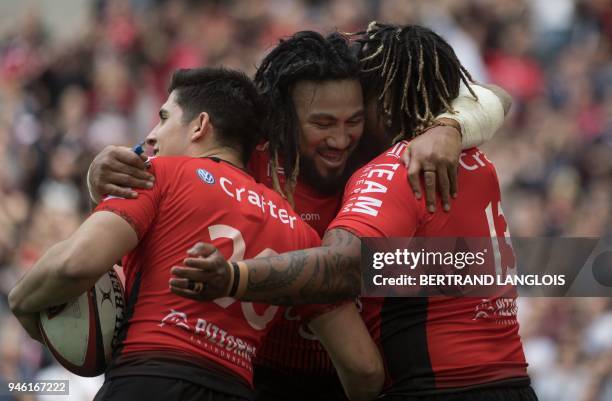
[(205, 176)]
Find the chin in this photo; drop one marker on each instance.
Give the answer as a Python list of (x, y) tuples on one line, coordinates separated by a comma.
[(326, 181), (330, 181), (327, 173), (330, 175)]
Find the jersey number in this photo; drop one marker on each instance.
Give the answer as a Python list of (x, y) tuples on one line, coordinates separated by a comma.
[(255, 320), (502, 245)]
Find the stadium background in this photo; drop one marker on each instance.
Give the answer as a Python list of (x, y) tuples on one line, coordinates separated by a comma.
[(76, 75)]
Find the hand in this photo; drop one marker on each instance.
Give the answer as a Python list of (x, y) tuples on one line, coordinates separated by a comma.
[(115, 171), (205, 276), (436, 152), (30, 324)]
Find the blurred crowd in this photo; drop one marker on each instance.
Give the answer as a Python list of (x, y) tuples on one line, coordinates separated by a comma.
[(61, 103)]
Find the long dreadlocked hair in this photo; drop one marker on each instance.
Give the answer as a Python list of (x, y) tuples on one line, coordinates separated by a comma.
[(414, 73), (305, 56)]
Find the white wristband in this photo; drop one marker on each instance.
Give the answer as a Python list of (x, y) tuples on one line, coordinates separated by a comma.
[(91, 195), (479, 119)]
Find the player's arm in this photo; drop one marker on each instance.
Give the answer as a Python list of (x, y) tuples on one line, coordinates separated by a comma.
[(117, 171), (436, 152), (71, 267), (505, 99), (352, 350), (325, 274)]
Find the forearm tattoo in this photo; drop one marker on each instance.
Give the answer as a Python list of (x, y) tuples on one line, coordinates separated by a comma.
[(326, 274)]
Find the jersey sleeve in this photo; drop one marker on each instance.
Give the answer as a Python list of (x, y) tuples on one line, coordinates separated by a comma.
[(141, 211), (378, 202)]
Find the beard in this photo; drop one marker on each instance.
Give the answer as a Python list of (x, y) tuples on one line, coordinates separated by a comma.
[(324, 185), (368, 148)]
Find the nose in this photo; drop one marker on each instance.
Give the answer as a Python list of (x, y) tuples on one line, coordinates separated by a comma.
[(339, 140), (150, 141)]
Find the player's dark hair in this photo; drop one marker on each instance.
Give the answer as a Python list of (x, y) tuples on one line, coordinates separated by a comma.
[(305, 56), (413, 72), (232, 102)]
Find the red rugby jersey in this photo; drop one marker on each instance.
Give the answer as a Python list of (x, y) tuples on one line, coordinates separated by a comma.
[(201, 199), (290, 346), (439, 343)]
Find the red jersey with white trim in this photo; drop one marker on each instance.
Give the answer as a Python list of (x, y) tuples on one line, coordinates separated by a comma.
[(435, 344), (290, 346), (201, 199)]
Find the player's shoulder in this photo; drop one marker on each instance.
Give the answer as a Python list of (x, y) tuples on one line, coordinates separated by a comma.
[(477, 154), (176, 164), (391, 155), (474, 160), (178, 171), (390, 160), (168, 162), (396, 151), (165, 163)]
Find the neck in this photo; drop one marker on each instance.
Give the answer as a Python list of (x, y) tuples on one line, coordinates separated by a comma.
[(220, 152)]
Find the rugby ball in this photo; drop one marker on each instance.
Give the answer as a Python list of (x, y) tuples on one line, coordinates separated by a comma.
[(80, 334)]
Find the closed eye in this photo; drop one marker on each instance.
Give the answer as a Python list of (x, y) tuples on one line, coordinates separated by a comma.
[(355, 121), (323, 125)]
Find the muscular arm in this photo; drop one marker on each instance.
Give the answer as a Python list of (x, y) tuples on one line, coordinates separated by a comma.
[(325, 274), (355, 356), (71, 267), (316, 275)]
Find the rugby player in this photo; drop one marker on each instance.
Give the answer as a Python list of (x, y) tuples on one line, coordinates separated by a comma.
[(313, 85), (434, 348), (172, 347)]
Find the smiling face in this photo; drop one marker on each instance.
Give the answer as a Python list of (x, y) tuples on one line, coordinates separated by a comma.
[(170, 137), (331, 118)]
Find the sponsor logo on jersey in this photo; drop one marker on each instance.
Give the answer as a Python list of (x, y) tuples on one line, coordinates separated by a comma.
[(212, 337), (310, 216), (205, 176), (499, 311), (243, 194), (176, 318)]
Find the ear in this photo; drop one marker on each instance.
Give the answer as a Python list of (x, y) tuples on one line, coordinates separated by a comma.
[(201, 127)]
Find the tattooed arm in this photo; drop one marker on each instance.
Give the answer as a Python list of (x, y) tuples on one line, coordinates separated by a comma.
[(325, 274), (316, 275)]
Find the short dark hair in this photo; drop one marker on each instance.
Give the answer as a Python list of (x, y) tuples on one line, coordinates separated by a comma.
[(305, 56), (413, 72), (229, 97)]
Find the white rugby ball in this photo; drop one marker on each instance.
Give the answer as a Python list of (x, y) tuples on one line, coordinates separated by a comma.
[(81, 334)]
